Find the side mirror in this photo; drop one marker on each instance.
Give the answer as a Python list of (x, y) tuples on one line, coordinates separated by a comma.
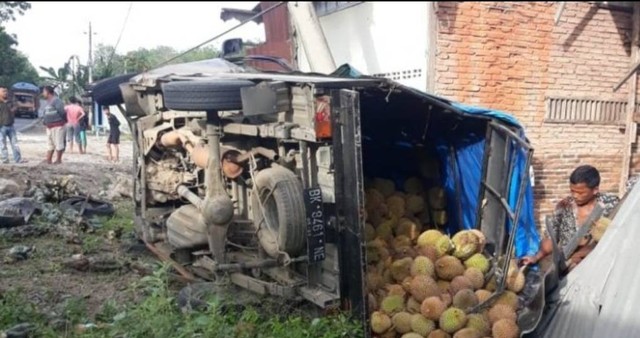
[(232, 47)]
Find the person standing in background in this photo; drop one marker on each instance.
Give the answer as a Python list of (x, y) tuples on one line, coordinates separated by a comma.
[(7, 130), (114, 136), (54, 119), (75, 113)]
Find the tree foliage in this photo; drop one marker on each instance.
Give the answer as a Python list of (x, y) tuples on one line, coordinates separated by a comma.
[(14, 66), (107, 63), (9, 9), (71, 78)]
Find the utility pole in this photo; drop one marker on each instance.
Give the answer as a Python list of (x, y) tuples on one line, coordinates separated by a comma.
[(90, 60)]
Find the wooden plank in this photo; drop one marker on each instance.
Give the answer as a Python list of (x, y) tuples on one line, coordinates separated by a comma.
[(632, 71), (630, 126)]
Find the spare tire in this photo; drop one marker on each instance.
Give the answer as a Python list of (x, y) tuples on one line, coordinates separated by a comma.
[(204, 95), (107, 92), (94, 207), (282, 226)]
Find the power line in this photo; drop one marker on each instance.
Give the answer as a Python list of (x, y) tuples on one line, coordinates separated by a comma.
[(221, 34), (124, 24)]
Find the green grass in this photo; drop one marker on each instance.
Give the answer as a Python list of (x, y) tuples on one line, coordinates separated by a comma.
[(156, 313), (158, 316)]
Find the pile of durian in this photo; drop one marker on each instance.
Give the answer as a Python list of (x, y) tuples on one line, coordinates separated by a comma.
[(423, 283)]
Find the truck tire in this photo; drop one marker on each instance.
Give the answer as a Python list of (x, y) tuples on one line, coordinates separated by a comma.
[(204, 95), (107, 92), (282, 227)]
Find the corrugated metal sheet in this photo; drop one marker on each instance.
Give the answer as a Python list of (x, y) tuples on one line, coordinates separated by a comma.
[(601, 298)]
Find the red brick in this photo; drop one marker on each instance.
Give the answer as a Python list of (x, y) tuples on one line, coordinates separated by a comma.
[(512, 60)]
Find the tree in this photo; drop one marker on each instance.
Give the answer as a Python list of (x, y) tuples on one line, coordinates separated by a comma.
[(14, 66), (108, 64), (8, 9), (71, 78)]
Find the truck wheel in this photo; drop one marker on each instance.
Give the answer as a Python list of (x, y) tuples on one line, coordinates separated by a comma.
[(204, 95), (107, 92), (282, 227)]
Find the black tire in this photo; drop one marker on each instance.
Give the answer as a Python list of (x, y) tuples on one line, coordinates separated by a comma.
[(204, 95), (107, 92), (94, 207), (284, 210)]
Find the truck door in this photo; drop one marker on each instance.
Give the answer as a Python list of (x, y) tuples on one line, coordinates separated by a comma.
[(349, 182)]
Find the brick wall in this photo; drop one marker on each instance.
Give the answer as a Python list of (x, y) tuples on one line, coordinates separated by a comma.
[(510, 56)]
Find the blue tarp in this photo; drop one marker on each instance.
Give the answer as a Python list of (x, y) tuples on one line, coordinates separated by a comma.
[(464, 165), (25, 86)]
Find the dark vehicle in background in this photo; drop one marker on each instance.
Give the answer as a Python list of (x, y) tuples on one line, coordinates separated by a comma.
[(24, 97)]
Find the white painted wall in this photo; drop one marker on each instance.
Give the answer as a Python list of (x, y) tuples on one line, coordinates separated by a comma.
[(379, 38)]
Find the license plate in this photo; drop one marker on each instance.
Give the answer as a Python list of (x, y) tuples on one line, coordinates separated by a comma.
[(315, 225)]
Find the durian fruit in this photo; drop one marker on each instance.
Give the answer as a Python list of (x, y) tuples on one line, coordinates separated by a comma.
[(465, 299), (505, 328), (374, 200), (389, 334), (447, 299), (508, 298), (413, 185), (480, 323), (491, 285), (422, 266), (432, 308), (452, 320), (411, 335), (385, 229), (392, 304), (437, 198), (445, 286), (422, 287), (599, 228), (401, 322), (414, 204), (428, 251), (380, 322), (422, 325), (396, 206), (443, 246), (440, 217), (478, 261), (483, 295), (501, 311), (465, 244), (515, 278), (401, 268), (404, 252), (374, 280), (401, 241), (467, 333), (413, 306), (395, 290), (482, 240), (407, 227), (373, 303), (476, 278), (369, 232), (459, 283), (429, 237), (438, 334), (384, 186), (448, 267)]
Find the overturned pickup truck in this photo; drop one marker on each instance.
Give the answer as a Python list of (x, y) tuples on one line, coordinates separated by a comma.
[(347, 191)]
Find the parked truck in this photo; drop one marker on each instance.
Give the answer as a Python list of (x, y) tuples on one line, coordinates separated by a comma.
[(25, 98)]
